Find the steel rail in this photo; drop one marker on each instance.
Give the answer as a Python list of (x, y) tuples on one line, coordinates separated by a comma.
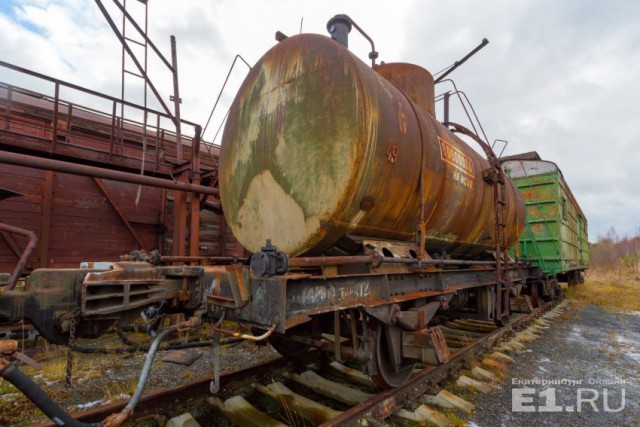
[(150, 402), (380, 406), (384, 404)]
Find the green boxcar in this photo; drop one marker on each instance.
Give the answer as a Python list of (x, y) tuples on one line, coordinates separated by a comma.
[(555, 237)]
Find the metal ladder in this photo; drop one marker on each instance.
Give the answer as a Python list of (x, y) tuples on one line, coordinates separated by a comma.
[(495, 176), (503, 285)]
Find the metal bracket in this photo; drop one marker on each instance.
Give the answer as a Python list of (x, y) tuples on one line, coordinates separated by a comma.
[(239, 284), (427, 345), (387, 314)]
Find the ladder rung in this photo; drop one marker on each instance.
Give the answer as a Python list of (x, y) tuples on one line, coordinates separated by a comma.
[(133, 74), (134, 41)]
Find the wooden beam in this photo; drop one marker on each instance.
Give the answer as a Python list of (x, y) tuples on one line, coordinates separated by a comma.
[(11, 242), (45, 223), (120, 214), (180, 217)]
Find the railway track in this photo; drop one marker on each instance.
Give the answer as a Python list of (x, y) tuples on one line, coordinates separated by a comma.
[(311, 391)]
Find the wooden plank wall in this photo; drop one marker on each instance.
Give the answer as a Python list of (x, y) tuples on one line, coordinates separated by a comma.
[(83, 225), (79, 218), (75, 221), (79, 223)]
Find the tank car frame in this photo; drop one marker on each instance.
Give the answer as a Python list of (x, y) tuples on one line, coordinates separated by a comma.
[(381, 308)]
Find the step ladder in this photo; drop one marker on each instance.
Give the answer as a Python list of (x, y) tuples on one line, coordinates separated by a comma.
[(495, 176)]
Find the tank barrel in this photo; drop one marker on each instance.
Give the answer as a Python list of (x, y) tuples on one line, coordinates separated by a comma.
[(308, 169)]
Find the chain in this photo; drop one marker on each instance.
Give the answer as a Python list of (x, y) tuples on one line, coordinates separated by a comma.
[(72, 338)]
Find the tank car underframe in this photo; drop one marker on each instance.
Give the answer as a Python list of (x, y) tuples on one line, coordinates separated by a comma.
[(383, 320), (289, 300)]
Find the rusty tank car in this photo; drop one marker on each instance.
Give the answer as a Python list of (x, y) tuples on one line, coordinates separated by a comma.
[(320, 147), (368, 221), (340, 173)]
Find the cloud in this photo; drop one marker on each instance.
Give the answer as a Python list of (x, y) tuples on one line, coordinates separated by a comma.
[(557, 77)]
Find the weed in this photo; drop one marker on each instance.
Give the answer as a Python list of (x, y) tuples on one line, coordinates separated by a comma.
[(454, 418), (6, 387), (118, 390), (612, 289), (463, 393)]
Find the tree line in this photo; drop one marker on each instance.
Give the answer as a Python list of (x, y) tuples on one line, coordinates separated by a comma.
[(611, 250)]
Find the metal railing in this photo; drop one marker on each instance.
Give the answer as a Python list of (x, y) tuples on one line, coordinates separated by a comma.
[(61, 120)]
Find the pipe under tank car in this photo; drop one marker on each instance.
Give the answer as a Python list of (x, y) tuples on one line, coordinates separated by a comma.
[(319, 147)]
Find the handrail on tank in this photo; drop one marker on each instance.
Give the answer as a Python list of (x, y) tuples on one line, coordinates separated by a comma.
[(462, 97)]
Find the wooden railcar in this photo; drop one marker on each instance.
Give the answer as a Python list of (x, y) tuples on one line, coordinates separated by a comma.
[(79, 218)]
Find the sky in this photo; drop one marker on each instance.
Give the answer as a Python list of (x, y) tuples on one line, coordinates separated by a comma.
[(557, 77)]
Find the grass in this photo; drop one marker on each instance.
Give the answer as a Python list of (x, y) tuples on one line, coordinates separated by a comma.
[(6, 387), (615, 290), (117, 390), (454, 417)]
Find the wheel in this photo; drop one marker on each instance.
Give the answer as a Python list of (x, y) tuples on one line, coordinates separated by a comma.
[(574, 278), (388, 376)]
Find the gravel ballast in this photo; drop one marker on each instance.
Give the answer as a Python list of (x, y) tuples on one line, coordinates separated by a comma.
[(584, 371)]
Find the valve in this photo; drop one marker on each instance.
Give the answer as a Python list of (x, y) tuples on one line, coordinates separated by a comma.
[(270, 261)]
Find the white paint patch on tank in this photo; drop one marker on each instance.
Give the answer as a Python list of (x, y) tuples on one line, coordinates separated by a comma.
[(282, 218)]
